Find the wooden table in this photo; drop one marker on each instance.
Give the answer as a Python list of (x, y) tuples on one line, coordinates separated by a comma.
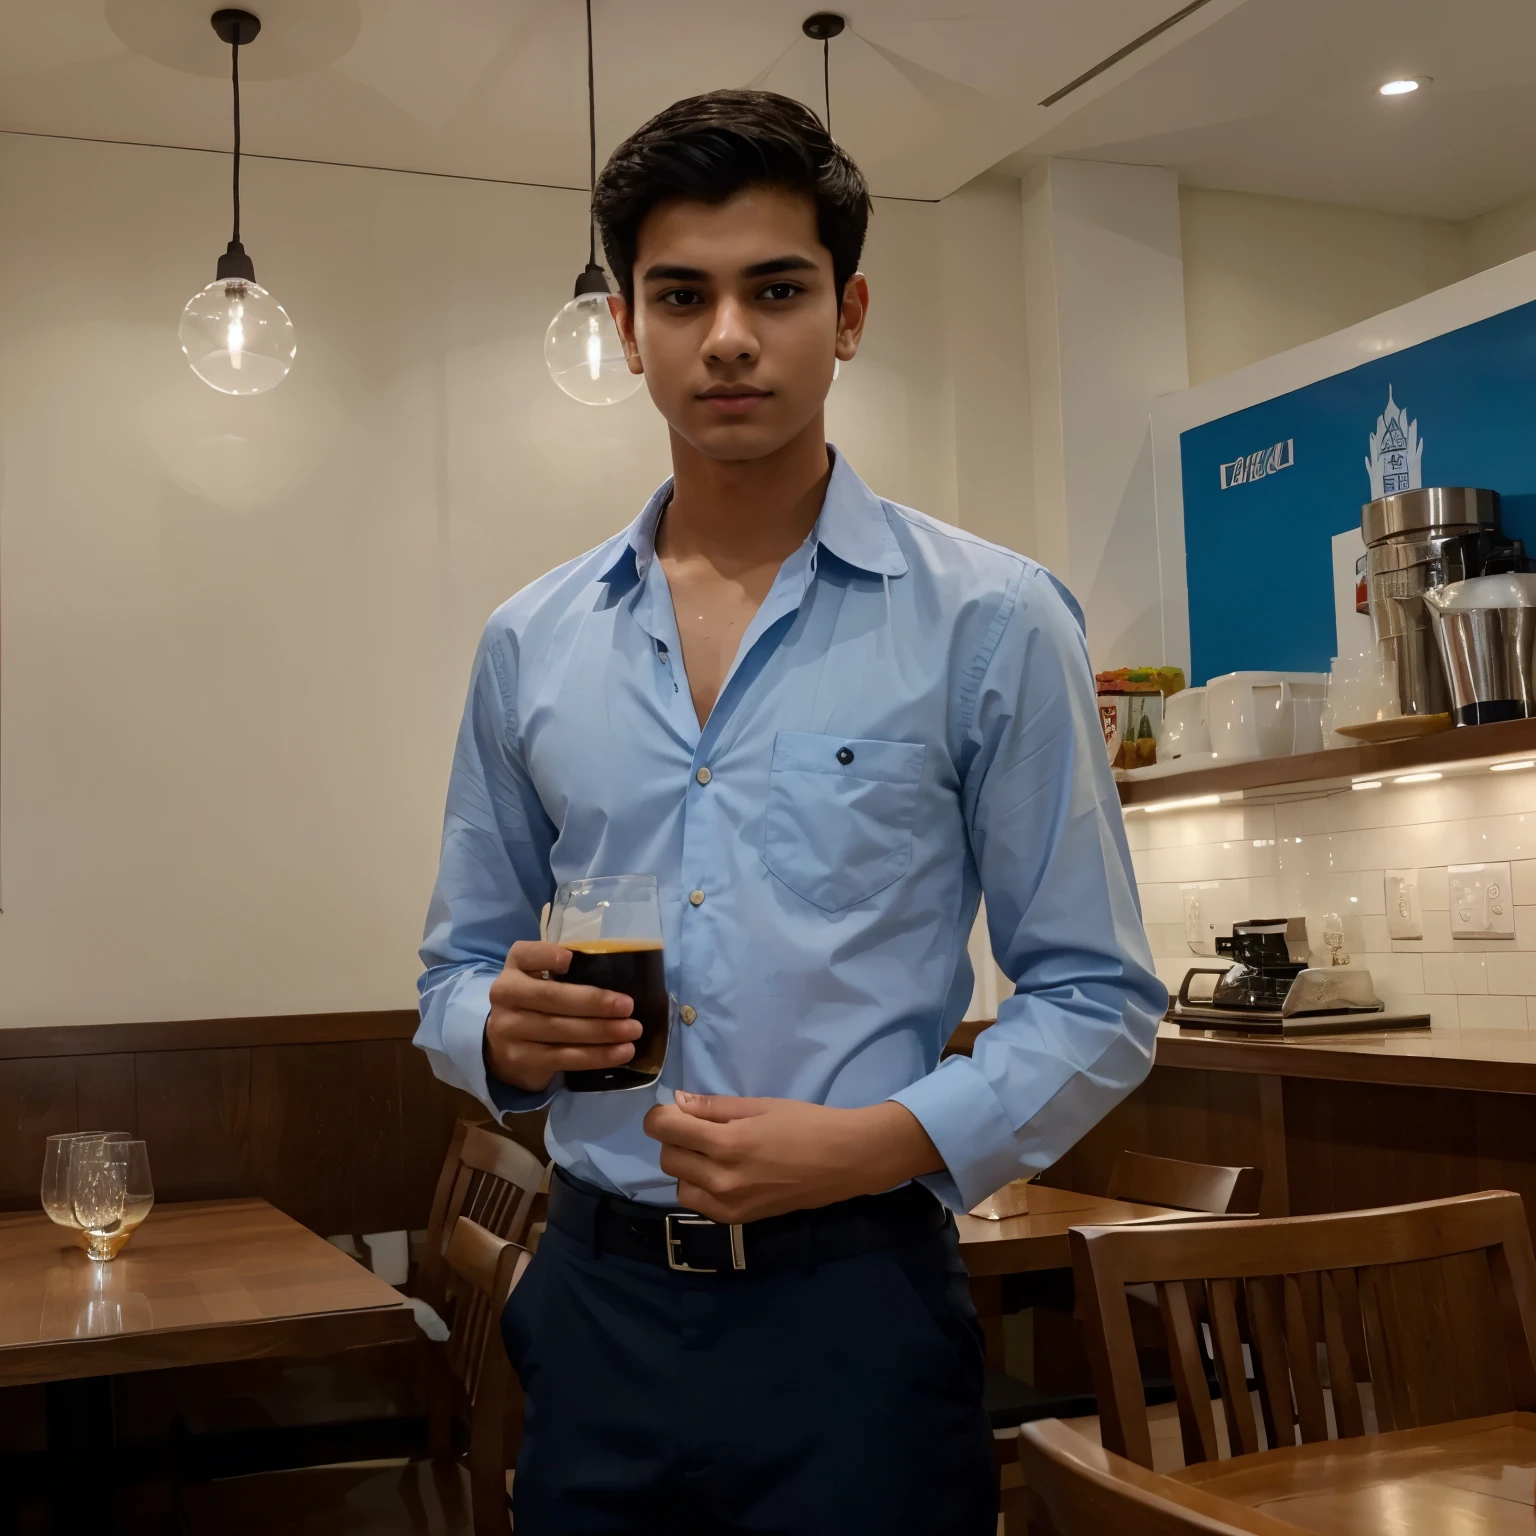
[(1473, 1477), (204, 1282), (1037, 1240)]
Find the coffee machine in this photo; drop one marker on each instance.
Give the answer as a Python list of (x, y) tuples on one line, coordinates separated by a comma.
[(1270, 989), (1416, 540)]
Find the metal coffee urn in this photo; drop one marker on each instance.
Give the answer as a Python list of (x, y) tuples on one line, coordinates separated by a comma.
[(1416, 540)]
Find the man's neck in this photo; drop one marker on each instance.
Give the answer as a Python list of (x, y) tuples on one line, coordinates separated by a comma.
[(739, 513)]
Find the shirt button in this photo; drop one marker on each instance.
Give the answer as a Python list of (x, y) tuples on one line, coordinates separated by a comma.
[(696, 897), (844, 756), (686, 1014), (703, 775)]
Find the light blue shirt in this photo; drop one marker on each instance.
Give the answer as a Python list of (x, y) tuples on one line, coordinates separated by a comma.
[(826, 960)]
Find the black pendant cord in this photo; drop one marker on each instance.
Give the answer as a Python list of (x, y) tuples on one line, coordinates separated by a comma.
[(234, 78), (591, 146), (826, 79)]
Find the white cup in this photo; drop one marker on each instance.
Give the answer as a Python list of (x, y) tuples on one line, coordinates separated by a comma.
[(1185, 732)]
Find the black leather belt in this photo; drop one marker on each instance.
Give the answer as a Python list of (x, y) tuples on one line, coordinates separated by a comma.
[(692, 1244)]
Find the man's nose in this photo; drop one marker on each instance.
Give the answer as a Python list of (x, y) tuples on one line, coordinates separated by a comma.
[(732, 337)]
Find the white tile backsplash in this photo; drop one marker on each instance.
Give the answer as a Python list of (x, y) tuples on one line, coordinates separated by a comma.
[(1328, 852)]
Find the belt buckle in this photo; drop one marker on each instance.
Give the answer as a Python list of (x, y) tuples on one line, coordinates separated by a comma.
[(675, 1243)]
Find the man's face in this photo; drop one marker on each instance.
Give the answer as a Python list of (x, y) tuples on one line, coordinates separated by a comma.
[(736, 321)]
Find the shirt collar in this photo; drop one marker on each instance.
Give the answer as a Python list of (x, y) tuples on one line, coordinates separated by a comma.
[(853, 525)]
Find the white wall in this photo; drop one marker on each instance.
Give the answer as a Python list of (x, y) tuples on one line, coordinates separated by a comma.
[(1328, 853), (1263, 274), (237, 632), (1105, 305)]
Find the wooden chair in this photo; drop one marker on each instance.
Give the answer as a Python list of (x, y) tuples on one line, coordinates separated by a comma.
[(1143, 1180), (487, 1177), (285, 1414), (1078, 1489), (467, 1494), (1434, 1304), (493, 1182)]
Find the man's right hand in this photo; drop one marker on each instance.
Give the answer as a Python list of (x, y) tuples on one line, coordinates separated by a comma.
[(538, 1027)]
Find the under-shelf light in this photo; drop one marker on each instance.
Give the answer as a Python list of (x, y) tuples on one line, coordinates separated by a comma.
[(1366, 784), (1415, 778), (1525, 762), (1182, 805)]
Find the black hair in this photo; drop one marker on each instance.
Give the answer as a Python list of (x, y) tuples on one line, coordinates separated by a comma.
[(707, 148)]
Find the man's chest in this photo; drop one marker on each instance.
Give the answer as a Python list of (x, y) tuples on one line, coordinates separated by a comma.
[(826, 749)]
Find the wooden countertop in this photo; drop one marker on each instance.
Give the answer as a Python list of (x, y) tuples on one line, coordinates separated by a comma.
[(1480, 1060)]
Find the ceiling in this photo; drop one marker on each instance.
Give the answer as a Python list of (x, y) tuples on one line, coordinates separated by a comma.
[(1273, 96), (1280, 97), (926, 94)]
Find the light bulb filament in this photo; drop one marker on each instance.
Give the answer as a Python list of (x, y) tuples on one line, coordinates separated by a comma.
[(594, 349), (235, 336)]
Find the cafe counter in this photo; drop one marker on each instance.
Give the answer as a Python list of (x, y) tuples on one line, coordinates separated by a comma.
[(1336, 1123)]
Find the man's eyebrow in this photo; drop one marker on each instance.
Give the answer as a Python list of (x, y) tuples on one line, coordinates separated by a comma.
[(676, 274), (665, 272), (780, 264)]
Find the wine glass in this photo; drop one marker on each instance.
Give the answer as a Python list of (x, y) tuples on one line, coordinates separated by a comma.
[(98, 1182), (55, 1189), (138, 1190)]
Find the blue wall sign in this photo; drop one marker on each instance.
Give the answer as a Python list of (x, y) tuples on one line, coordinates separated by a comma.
[(1265, 489)]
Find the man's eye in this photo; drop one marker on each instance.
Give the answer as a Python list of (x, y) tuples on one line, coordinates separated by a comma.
[(778, 292), (681, 298)]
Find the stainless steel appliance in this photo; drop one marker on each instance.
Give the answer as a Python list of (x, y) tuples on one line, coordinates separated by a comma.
[(1416, 540), (1486, 628), (1270, 989)]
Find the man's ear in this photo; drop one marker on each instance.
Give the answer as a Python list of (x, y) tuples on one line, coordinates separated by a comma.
[(851, 317), (624, 318)]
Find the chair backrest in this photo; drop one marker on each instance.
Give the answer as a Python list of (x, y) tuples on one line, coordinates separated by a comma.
[(1434, 1304), (487, 1177), (1146, 1180), (1078, 1489), (482, 1270)]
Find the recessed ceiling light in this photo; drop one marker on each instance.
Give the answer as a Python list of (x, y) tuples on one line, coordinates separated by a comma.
[(1403, 87)]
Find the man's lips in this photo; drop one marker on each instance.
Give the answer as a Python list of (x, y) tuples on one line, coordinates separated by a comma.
[(734, 402)]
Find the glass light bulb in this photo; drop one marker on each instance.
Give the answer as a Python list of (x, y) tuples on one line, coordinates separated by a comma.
[(584, 354), (237, 337)]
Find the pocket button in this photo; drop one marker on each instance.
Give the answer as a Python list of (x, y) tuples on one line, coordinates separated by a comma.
[(845, 755)]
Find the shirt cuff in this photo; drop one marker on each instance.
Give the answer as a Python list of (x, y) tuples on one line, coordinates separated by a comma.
[(464, 1045), (966, 1122)]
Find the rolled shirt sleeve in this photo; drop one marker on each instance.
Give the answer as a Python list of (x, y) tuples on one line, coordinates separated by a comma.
[(1047, 834), (493, 880)]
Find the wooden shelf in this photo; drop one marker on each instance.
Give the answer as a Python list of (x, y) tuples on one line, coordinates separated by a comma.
[(1294, 774)]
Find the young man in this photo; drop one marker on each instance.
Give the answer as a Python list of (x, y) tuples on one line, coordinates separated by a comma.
[(826, 724)]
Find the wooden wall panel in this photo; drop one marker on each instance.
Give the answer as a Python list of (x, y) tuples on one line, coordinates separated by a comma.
[(1357, 1144), (37, 1100), (194, 1116), (1206, 1117), (346, 1132)]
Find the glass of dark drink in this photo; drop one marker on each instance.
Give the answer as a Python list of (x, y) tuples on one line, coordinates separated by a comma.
[(612, 926)]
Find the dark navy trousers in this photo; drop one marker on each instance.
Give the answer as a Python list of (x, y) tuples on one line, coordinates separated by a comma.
[(843, 1398)]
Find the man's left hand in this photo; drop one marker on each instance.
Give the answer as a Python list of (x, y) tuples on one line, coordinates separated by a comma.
[(742, 1159)]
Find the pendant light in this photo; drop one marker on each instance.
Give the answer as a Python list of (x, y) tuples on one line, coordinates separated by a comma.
[(581, 347), (823, 26), (235, 335)]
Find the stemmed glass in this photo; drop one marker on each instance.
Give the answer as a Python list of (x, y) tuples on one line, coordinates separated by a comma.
[(138, 1190), (55, 1192), (98, 1185)]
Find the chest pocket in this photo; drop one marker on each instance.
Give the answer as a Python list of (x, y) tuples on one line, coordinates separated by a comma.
[(838, 824)]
